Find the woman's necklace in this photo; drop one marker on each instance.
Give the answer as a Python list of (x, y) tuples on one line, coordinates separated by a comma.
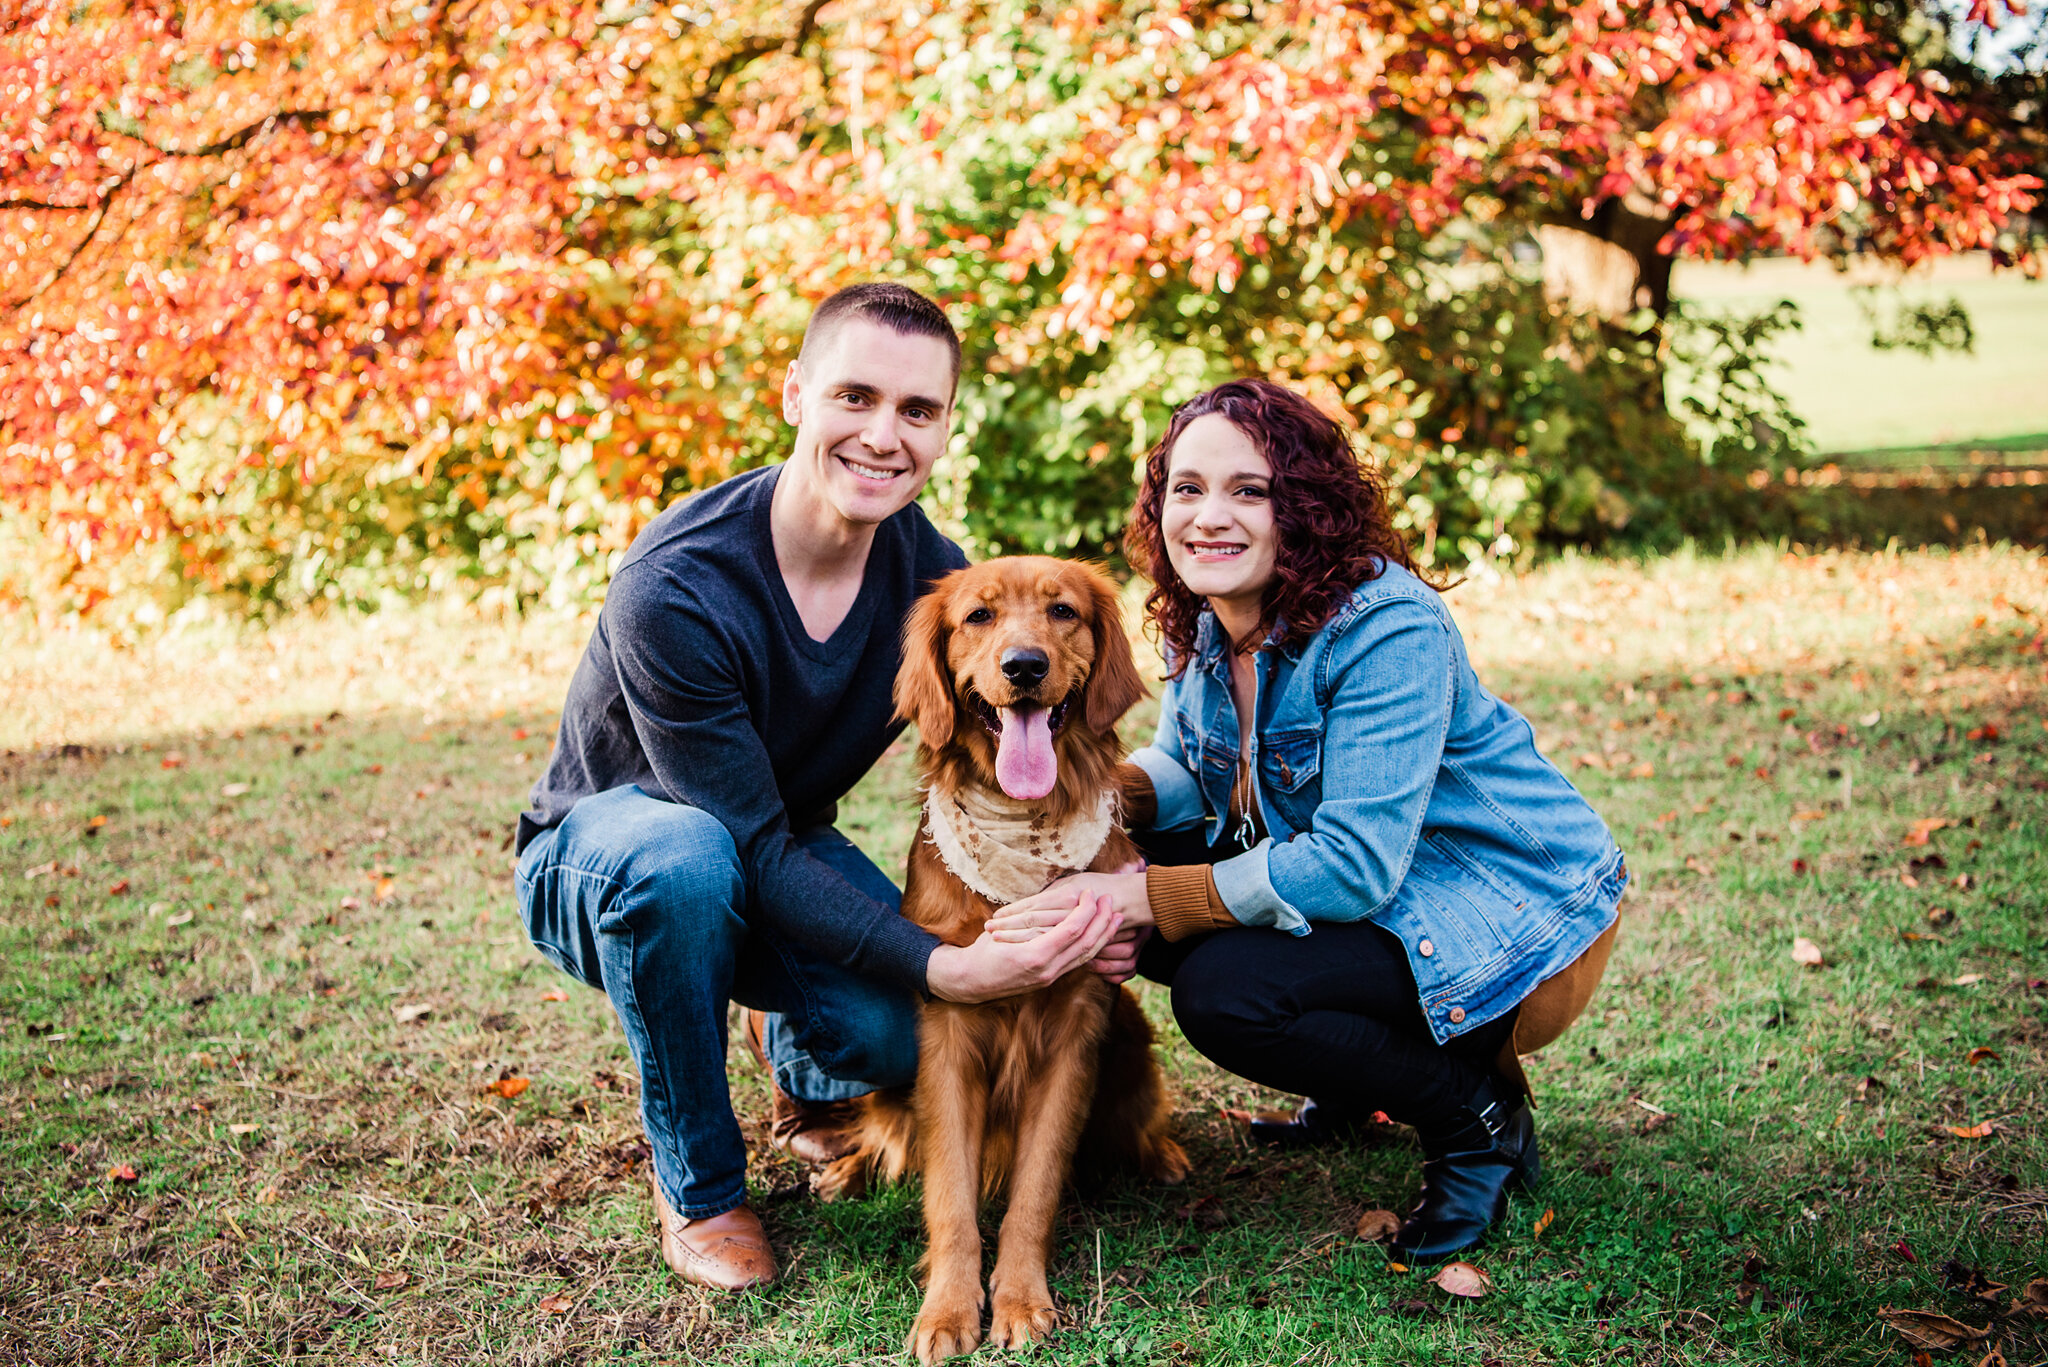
[(1245, 697)]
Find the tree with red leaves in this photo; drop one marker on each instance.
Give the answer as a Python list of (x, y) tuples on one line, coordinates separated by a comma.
[(325, 301)]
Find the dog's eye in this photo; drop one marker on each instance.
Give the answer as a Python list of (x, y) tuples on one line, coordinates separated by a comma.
[(1063, 612), (980, 617)]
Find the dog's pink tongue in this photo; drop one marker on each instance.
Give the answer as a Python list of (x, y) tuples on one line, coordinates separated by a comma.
[(1024, 760)]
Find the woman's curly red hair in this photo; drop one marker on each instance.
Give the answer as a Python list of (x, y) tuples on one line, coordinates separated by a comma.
[(1329, 508)]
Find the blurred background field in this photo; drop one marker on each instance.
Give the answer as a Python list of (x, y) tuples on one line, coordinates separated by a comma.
[(1886, 407)]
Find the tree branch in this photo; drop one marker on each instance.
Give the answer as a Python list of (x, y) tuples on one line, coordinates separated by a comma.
[(232, 142), (750, 51), (85, 239)]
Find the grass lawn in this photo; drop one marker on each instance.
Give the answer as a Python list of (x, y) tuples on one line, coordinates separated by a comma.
[(1859, 399), (264, 972)]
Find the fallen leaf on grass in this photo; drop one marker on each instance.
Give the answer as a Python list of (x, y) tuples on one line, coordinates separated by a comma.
[(182, 918), (509, 1087), (118, 888), (351, 904), (1968, 979), (95, 823), (1378, 1226), (234, 789), (1543, 1222), (2033, 1301), (1983, 1053), (1806, 952), (1940, 917), (1904, 1250), (243, 1129), (1920, 831), (1935, 1333), (1982, 1130), (1988, 731), (1970, 1281), (1809, 816), (1463, 1279), (408, 1012), (172, 760), (124, 1173), (557, 1304), (1994, 1358), (1695, 864), (1643, 770), (1867, 1086), (554, 994), (387, 888), (391, 1281)]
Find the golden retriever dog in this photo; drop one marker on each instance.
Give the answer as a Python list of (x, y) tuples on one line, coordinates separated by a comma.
[(1015, 671)]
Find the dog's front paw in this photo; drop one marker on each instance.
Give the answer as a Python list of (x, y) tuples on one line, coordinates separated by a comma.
[(1021, 1319), (946, 1327), (843, 1179), (1167, 1164)]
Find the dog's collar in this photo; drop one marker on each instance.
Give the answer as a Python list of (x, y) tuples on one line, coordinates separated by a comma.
[(1007, 850)]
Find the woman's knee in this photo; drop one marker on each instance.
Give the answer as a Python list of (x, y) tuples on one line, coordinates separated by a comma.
[(1217, 1002)]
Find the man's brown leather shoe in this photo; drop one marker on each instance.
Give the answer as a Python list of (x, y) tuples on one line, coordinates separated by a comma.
[(727, 1252), (815, 1131)]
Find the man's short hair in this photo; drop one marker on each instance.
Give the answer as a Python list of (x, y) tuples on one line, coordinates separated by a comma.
[(896, 307)]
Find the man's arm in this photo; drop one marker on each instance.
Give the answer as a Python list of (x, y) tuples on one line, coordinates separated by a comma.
[(677, 671)]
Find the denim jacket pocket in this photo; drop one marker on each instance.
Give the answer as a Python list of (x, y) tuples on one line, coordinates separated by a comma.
[(1473, 908), (1510, 896), (1291, 758)]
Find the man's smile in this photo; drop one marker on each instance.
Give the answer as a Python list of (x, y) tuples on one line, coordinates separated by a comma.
[(873, 474)]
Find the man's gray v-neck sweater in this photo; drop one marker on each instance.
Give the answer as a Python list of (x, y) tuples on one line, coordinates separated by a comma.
[(701, 685)]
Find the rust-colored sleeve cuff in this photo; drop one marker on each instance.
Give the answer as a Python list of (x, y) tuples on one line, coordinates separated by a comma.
[(1140, 802), (1184, 901)]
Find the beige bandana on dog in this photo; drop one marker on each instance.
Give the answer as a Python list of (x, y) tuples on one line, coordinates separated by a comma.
[(1005, 849)]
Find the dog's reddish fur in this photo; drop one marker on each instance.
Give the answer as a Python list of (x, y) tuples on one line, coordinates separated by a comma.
[(1010, 1093)]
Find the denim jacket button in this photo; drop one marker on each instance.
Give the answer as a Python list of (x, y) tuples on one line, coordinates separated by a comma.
[(1425, 949), (1457, 1015)]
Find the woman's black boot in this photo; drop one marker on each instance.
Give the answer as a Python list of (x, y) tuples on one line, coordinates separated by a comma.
[(1466, 1169)]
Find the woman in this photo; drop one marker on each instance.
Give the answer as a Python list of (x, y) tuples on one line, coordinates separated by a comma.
[(1368, 887)]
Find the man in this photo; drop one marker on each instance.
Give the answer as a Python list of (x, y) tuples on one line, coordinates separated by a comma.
[(679, 851)]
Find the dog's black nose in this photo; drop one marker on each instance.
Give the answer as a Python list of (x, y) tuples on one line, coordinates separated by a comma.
[(1024, 668)]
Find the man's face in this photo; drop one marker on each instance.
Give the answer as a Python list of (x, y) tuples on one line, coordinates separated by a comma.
[(872, 408)]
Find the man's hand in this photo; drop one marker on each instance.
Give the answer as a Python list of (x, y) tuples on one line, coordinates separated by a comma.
[(990, 969), (1119, 958)]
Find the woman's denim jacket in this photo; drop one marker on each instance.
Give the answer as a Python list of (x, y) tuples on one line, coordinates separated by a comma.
[(1396, 789)]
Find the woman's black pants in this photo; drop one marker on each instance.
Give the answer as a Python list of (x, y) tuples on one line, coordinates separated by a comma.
[(1334, 1015)]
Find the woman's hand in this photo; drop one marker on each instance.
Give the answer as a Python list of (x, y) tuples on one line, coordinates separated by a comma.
[(992, 968), (1032, 916)]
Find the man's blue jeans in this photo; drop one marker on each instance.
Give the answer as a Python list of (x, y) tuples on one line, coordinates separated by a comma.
[(646, 900)]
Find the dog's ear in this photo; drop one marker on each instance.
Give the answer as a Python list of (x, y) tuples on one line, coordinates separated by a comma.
[(1113, 686), (924, 693)]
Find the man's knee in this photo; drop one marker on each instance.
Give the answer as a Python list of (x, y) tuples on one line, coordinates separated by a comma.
[(667, 862), (878, 1046)]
